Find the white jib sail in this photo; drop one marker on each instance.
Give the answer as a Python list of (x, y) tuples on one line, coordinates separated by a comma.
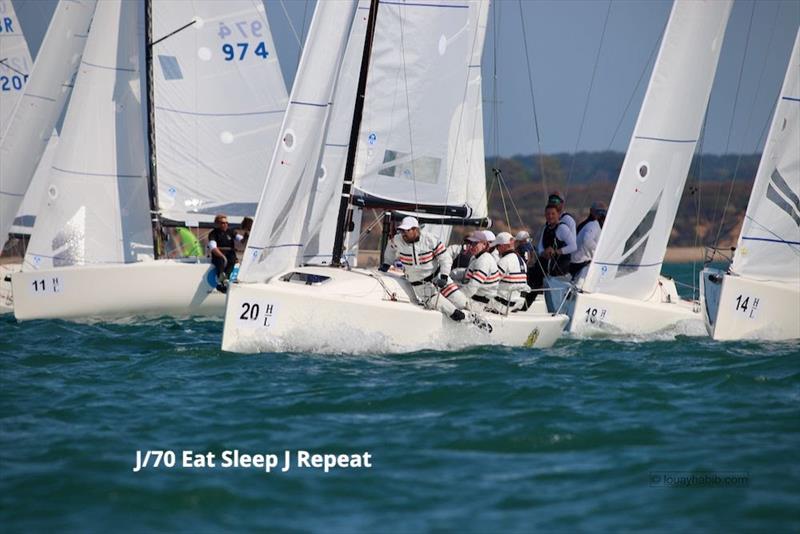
[(320, 230), (275, 241), (35, 195), (769, 244), (421, 138), (97, 207), (219, 103), (31, 125), (631, 249)]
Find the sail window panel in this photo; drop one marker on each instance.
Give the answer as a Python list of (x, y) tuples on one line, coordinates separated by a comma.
[(402, 165), (170, 67)]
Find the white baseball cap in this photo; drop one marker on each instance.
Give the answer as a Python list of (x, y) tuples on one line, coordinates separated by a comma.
[(522, 236), (503, 238), (408, 223), (489, 235)]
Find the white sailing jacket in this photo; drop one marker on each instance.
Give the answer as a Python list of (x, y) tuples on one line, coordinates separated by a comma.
[(420, 259), (482, 277), (513, 277)]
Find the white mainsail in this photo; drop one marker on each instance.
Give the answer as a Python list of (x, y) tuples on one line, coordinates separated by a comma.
[(31, 126), (16, 63), (628, 259), (97, 207), (769, 244), (219, 102), (421, 137), (275, 241)]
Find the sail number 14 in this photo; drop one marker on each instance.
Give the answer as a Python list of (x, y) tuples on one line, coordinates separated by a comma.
[(747, 305)]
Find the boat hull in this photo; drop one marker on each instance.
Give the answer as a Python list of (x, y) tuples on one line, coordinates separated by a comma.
[(739, 308), (354, 310), (599, 314), (6, 295), (146, 289)]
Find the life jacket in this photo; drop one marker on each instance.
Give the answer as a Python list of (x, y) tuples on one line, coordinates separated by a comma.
[(549, 239)]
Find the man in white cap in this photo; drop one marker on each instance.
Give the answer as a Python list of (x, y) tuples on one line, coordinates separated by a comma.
[(524, 247), (427, 266), (588, 236), (482, 276), (513, 276)]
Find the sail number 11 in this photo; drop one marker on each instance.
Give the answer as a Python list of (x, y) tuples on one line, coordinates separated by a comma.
[(41, 286)]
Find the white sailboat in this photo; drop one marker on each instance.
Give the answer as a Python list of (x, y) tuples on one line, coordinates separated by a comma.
[(29, 139), (622, 291), (216, 98), (419, 148), (758, 297)]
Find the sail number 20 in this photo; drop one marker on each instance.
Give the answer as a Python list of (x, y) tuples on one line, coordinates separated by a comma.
[(257, 314)]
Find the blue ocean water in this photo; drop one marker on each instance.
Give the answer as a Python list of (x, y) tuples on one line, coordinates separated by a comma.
[(673, 432)]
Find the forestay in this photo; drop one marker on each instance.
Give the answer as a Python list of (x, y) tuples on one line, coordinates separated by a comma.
[(97, 204), (275, 241), (631, 249), (31, 126), (219, 102), (769, 244), (421, 137)]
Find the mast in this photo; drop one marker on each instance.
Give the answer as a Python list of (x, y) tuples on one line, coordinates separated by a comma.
[(152, 179), (347, 185)]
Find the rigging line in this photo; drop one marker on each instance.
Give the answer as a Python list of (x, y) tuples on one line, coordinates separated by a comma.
[(511, 199), (639, 82), (533, 100), (735, 103), (697, 191), (408, 107), (588, 97), (291, 27), (495, 97), (303, 31)]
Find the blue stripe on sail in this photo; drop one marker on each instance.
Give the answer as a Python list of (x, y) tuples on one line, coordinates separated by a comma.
[(40, 97), (790, 98), (666, 140), (10, 194), (337, 145), (308, 104), (473, 66), (771, 240), (629, 264), (83, 173), (276, 246), (246, 113), (108, 68), (457, 6)]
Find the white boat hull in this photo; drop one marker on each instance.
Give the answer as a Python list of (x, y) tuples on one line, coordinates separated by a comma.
[(6, 295), (601, 314), (146, 289), (352, 311), (739, 308)]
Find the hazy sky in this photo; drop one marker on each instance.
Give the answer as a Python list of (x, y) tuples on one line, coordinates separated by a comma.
[(563, 42)]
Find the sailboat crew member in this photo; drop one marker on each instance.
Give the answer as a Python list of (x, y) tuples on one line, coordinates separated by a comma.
[(482, 277), (522, 242), (427, 266), (587, 238), (554, 250), (461, 255), (557, 199), (513, 276), (221, 246)]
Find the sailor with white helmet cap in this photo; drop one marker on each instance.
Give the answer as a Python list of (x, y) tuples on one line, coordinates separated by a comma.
[(427, 266), (482, 276), (513, 276)]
